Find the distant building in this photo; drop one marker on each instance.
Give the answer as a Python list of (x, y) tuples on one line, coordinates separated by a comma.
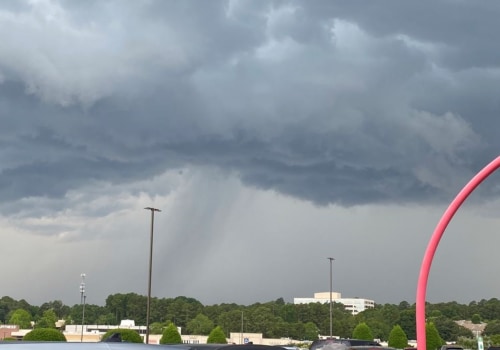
[(6, 330), (353, 305), (93, 333)]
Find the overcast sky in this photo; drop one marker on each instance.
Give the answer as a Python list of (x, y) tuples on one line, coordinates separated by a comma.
[(271, 134)]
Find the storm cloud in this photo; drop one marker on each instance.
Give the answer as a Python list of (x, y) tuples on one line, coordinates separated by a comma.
[(332, 116)]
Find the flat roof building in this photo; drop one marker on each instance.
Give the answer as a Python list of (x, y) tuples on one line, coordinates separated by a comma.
[(353, 305), (6, 330)]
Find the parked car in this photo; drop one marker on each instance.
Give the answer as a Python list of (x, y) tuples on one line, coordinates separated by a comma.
[(248, 346), (451, 347), (197, 346), (370, 347), (320, 343)]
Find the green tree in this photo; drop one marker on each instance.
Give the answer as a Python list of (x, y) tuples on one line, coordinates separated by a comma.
[(476, 319), (362, 331), (489, 309), (21, 317), (182, 309), (57, 306), (451, 310), (467, 343), (217, 336), (434, 313), (156, 327), (407, 322), (310, 331), (389, 313), (288, 313), (48, 320), (230, 320), (433, 339), (127, 335), (380, 328), (492, 328), (106, 319), (404, 305), (44, 334), (262, 320), (171, 335), (127, 306), (495, 340), (318, 313), (201, 324), (449, 330), (7, 307), (397, 338)]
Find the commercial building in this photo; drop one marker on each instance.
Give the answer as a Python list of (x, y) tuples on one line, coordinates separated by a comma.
[(6, 330), (94, 333), (353, 305)]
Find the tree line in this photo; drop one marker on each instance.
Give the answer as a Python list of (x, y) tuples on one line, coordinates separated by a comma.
[(274, 319)]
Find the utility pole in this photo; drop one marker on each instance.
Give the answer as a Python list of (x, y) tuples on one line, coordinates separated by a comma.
[(150, 270), (82, 301), (331, 306), (241, 333)]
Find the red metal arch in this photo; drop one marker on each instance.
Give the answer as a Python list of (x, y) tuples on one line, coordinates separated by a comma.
[(434, 241)]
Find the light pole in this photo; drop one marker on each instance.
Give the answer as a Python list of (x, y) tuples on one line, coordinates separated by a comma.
[(82, 301), (241, 333), (150, 269), (331, 310)]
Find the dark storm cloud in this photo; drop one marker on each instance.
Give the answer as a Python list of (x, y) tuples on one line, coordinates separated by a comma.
[(459, 26), (331, 102), (107, 107)]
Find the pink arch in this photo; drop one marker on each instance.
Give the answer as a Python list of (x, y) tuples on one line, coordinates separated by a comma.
[(433, 243)]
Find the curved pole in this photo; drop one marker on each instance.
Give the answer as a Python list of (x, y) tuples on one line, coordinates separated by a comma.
[(433, 243)]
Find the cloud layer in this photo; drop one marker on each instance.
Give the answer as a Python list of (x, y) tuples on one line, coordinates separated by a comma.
[(222, 111)]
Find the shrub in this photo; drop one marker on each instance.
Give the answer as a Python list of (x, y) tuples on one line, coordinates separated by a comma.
[(45, 334), (433, 339), (217, 336), (476, 319), (362, 331), (128, 335), (171, 335), (397, 338)]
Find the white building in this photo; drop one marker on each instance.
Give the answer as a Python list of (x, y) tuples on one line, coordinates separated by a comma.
[(354, 305)]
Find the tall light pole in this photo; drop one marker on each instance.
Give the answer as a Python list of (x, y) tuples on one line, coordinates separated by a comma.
[(241, 333), (150, 269), (331, 309), (82, 301)]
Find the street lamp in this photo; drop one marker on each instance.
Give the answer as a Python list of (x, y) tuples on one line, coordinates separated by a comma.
[(241, 333), (150, 270), (82, 301), (331, 311)]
